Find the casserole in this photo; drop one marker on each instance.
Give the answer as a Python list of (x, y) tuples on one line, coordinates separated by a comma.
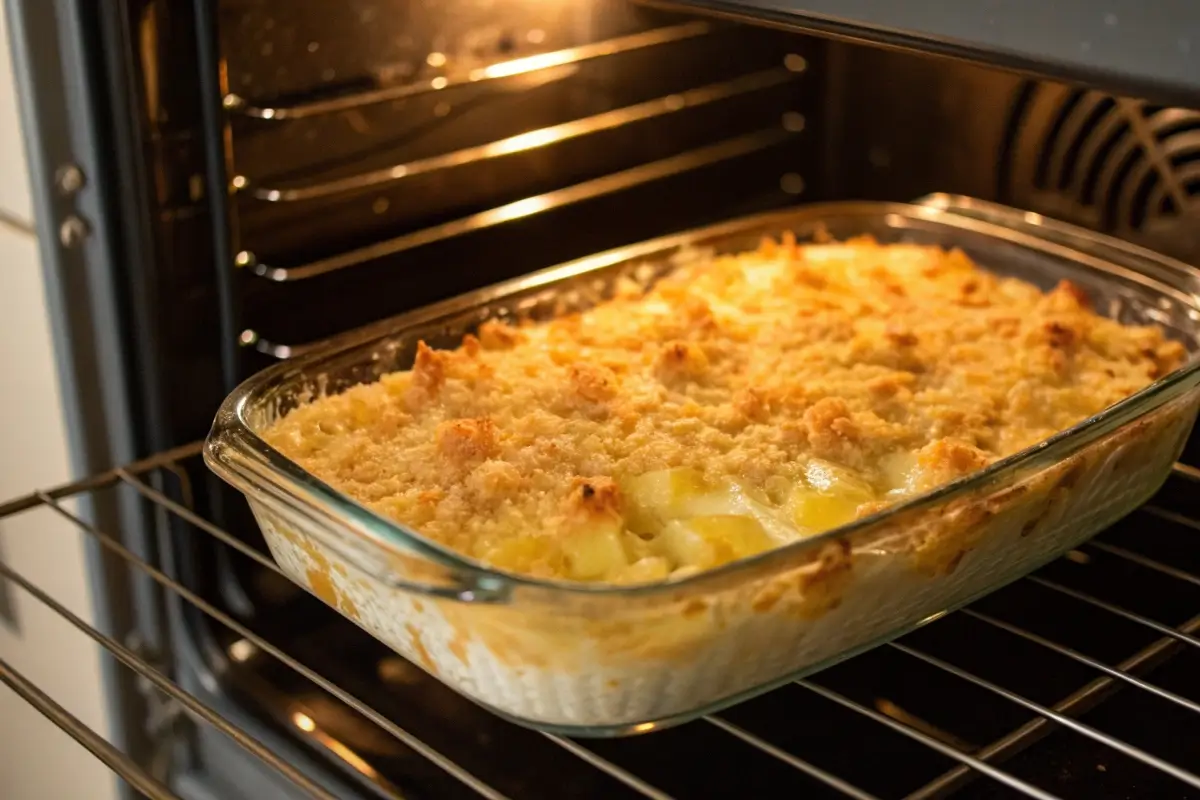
[(594, 659)]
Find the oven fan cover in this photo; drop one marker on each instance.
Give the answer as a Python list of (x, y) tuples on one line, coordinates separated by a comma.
[(1109, 163)]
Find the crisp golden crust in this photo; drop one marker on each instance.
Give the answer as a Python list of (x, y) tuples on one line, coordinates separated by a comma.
[(742, 368)]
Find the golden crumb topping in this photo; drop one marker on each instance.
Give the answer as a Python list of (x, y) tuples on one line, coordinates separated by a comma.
[(742, 402)]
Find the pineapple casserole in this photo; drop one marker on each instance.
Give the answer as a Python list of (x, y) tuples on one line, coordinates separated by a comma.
[(743, 402)]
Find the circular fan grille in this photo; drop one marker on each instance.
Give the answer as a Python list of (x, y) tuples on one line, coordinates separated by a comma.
[(1110, 163)]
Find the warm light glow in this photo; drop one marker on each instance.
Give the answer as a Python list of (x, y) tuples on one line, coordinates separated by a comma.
[(1079, 557), (242, 650), (436, 59), (521, 208), (304, 722), (933, 618), (794, 62), (349, 756), (528, 141), (791, 183), (519, 66)]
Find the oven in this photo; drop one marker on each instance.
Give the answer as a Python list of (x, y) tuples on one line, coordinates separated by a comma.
[(222, 184)]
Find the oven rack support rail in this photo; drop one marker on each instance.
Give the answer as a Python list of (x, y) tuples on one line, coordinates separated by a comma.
[(579, 128), (612, 183), (984, 762), (239, 106)]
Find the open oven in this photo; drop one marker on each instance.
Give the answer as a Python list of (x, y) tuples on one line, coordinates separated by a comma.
[(227, 183)]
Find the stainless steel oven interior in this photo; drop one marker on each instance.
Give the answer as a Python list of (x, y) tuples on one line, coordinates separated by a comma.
[(272, 173)]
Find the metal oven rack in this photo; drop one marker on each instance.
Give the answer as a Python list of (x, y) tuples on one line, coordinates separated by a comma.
[(456, 166), (1079, 666)]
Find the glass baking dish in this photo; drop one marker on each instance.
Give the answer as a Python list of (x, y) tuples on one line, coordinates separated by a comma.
[(596, 660)]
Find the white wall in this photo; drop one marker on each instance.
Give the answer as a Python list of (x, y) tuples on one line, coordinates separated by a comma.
[(37, 760)]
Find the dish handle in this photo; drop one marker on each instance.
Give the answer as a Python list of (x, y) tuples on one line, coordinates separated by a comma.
[(1098, 245)]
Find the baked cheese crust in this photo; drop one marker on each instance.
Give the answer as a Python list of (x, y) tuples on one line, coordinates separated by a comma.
[(742, 402)]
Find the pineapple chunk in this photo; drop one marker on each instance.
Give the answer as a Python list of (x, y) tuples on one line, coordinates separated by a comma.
[(685, 546), (646, 570), (826, 477), (900, 472), (636, 547), (829, 497), (656, 497), (595, 553), (815, 511), (518, 554), (710, 541)]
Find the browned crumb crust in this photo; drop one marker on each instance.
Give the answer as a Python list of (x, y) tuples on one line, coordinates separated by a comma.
[(742, 367)]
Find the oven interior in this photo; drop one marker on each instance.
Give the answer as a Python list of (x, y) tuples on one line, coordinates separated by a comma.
[(302, 168)]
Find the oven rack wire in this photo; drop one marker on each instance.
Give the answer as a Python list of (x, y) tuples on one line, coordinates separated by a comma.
[(247, 187), (236, 105), (612, 183), (986, 762), (578, 128)]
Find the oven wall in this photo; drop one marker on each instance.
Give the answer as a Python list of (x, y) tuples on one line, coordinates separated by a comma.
[(900, 125), (903, 125)]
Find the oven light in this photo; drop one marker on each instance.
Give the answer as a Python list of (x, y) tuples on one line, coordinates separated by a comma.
[(304, 722)]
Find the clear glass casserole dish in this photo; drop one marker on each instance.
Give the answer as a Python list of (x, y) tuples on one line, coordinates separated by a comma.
[(596, 660)]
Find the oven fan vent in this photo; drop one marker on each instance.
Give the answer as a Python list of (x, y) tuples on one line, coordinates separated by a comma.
[(1114, 164)]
